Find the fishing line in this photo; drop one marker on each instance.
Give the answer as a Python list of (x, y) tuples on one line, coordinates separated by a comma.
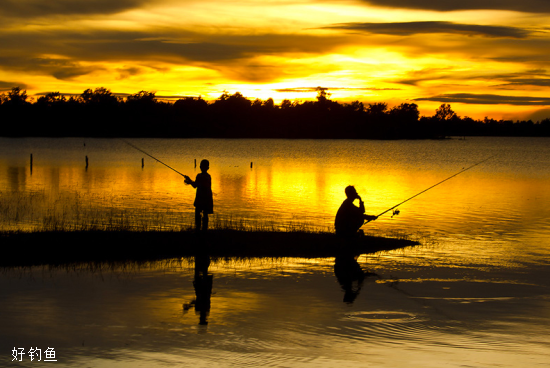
[(154, 158), (435, 185)]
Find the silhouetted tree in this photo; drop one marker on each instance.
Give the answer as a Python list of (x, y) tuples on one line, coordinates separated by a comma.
[(16, 97), (16, 108), (231, 115), (101, 113), (377, 109), (51, 99), (100, 96), (142, 98), (190, 104), (257, 103), (406, 112), (356, 106), (286, 104), (445, 113), (376, 119), (545, 127), (192, 117), (322, 95), (403, 121), (269, 104)]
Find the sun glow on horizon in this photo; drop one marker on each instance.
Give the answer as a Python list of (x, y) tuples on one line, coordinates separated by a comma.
[(371, 53)]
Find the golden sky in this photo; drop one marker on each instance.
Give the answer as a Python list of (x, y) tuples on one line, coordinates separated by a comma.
[(484, 57)]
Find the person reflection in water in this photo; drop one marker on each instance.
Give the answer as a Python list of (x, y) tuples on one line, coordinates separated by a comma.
[(202, 283), (203, 200), (349, 217), (350, 275)]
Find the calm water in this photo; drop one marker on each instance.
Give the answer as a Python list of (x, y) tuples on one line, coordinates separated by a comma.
[(475, 293)]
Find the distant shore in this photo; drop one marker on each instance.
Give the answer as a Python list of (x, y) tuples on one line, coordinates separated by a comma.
[(65, 247), (102, 114)]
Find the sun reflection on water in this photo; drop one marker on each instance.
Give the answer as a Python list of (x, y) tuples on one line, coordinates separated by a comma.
[(289, 182)]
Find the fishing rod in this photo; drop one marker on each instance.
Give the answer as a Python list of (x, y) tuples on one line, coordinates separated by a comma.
[(154, 158), (433, 186)]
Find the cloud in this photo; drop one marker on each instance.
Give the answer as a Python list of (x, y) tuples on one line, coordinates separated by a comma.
[(528, 6), (59, 68), (415, 77), (488, 99), (78, 94), (40, 8), (127, 72), (529, 78), (7, 86), (531, 52), (412, 28), (538, 82), (537, 78), (108, 45), (315, 89), (122, 49), (233, 55)]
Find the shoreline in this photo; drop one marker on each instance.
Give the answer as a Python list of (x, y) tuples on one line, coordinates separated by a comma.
[(64, 247)]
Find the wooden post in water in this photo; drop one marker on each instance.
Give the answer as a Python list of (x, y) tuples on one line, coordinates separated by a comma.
[(31, 163), (142, 162), (86, 162), (251, 165), (195, 163)]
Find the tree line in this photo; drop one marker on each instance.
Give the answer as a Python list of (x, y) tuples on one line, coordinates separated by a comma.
[(100, 113)]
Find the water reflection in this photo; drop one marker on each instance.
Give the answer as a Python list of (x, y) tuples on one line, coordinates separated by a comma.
[(202, 283), (16, 178), (350, 275), (276, 313)]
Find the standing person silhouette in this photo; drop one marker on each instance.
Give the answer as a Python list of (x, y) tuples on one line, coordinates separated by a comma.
[(203, 199), (349, 217)]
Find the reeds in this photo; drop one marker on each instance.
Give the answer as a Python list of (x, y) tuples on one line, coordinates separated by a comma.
[(71, 212), (264, 225), (39, 212), (78, 231)]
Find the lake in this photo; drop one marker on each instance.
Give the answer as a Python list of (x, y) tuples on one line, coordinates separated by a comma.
[(474, 293)]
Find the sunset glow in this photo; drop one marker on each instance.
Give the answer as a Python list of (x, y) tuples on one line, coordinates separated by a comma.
[(485, 58)]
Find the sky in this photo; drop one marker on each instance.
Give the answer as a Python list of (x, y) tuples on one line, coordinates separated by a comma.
[(484, 57)]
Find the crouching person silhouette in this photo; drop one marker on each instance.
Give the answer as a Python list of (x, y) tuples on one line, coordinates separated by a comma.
[(349, 217), (204, 204)]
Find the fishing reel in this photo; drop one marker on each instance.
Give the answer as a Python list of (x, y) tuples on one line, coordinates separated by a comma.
[(395, 212)]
